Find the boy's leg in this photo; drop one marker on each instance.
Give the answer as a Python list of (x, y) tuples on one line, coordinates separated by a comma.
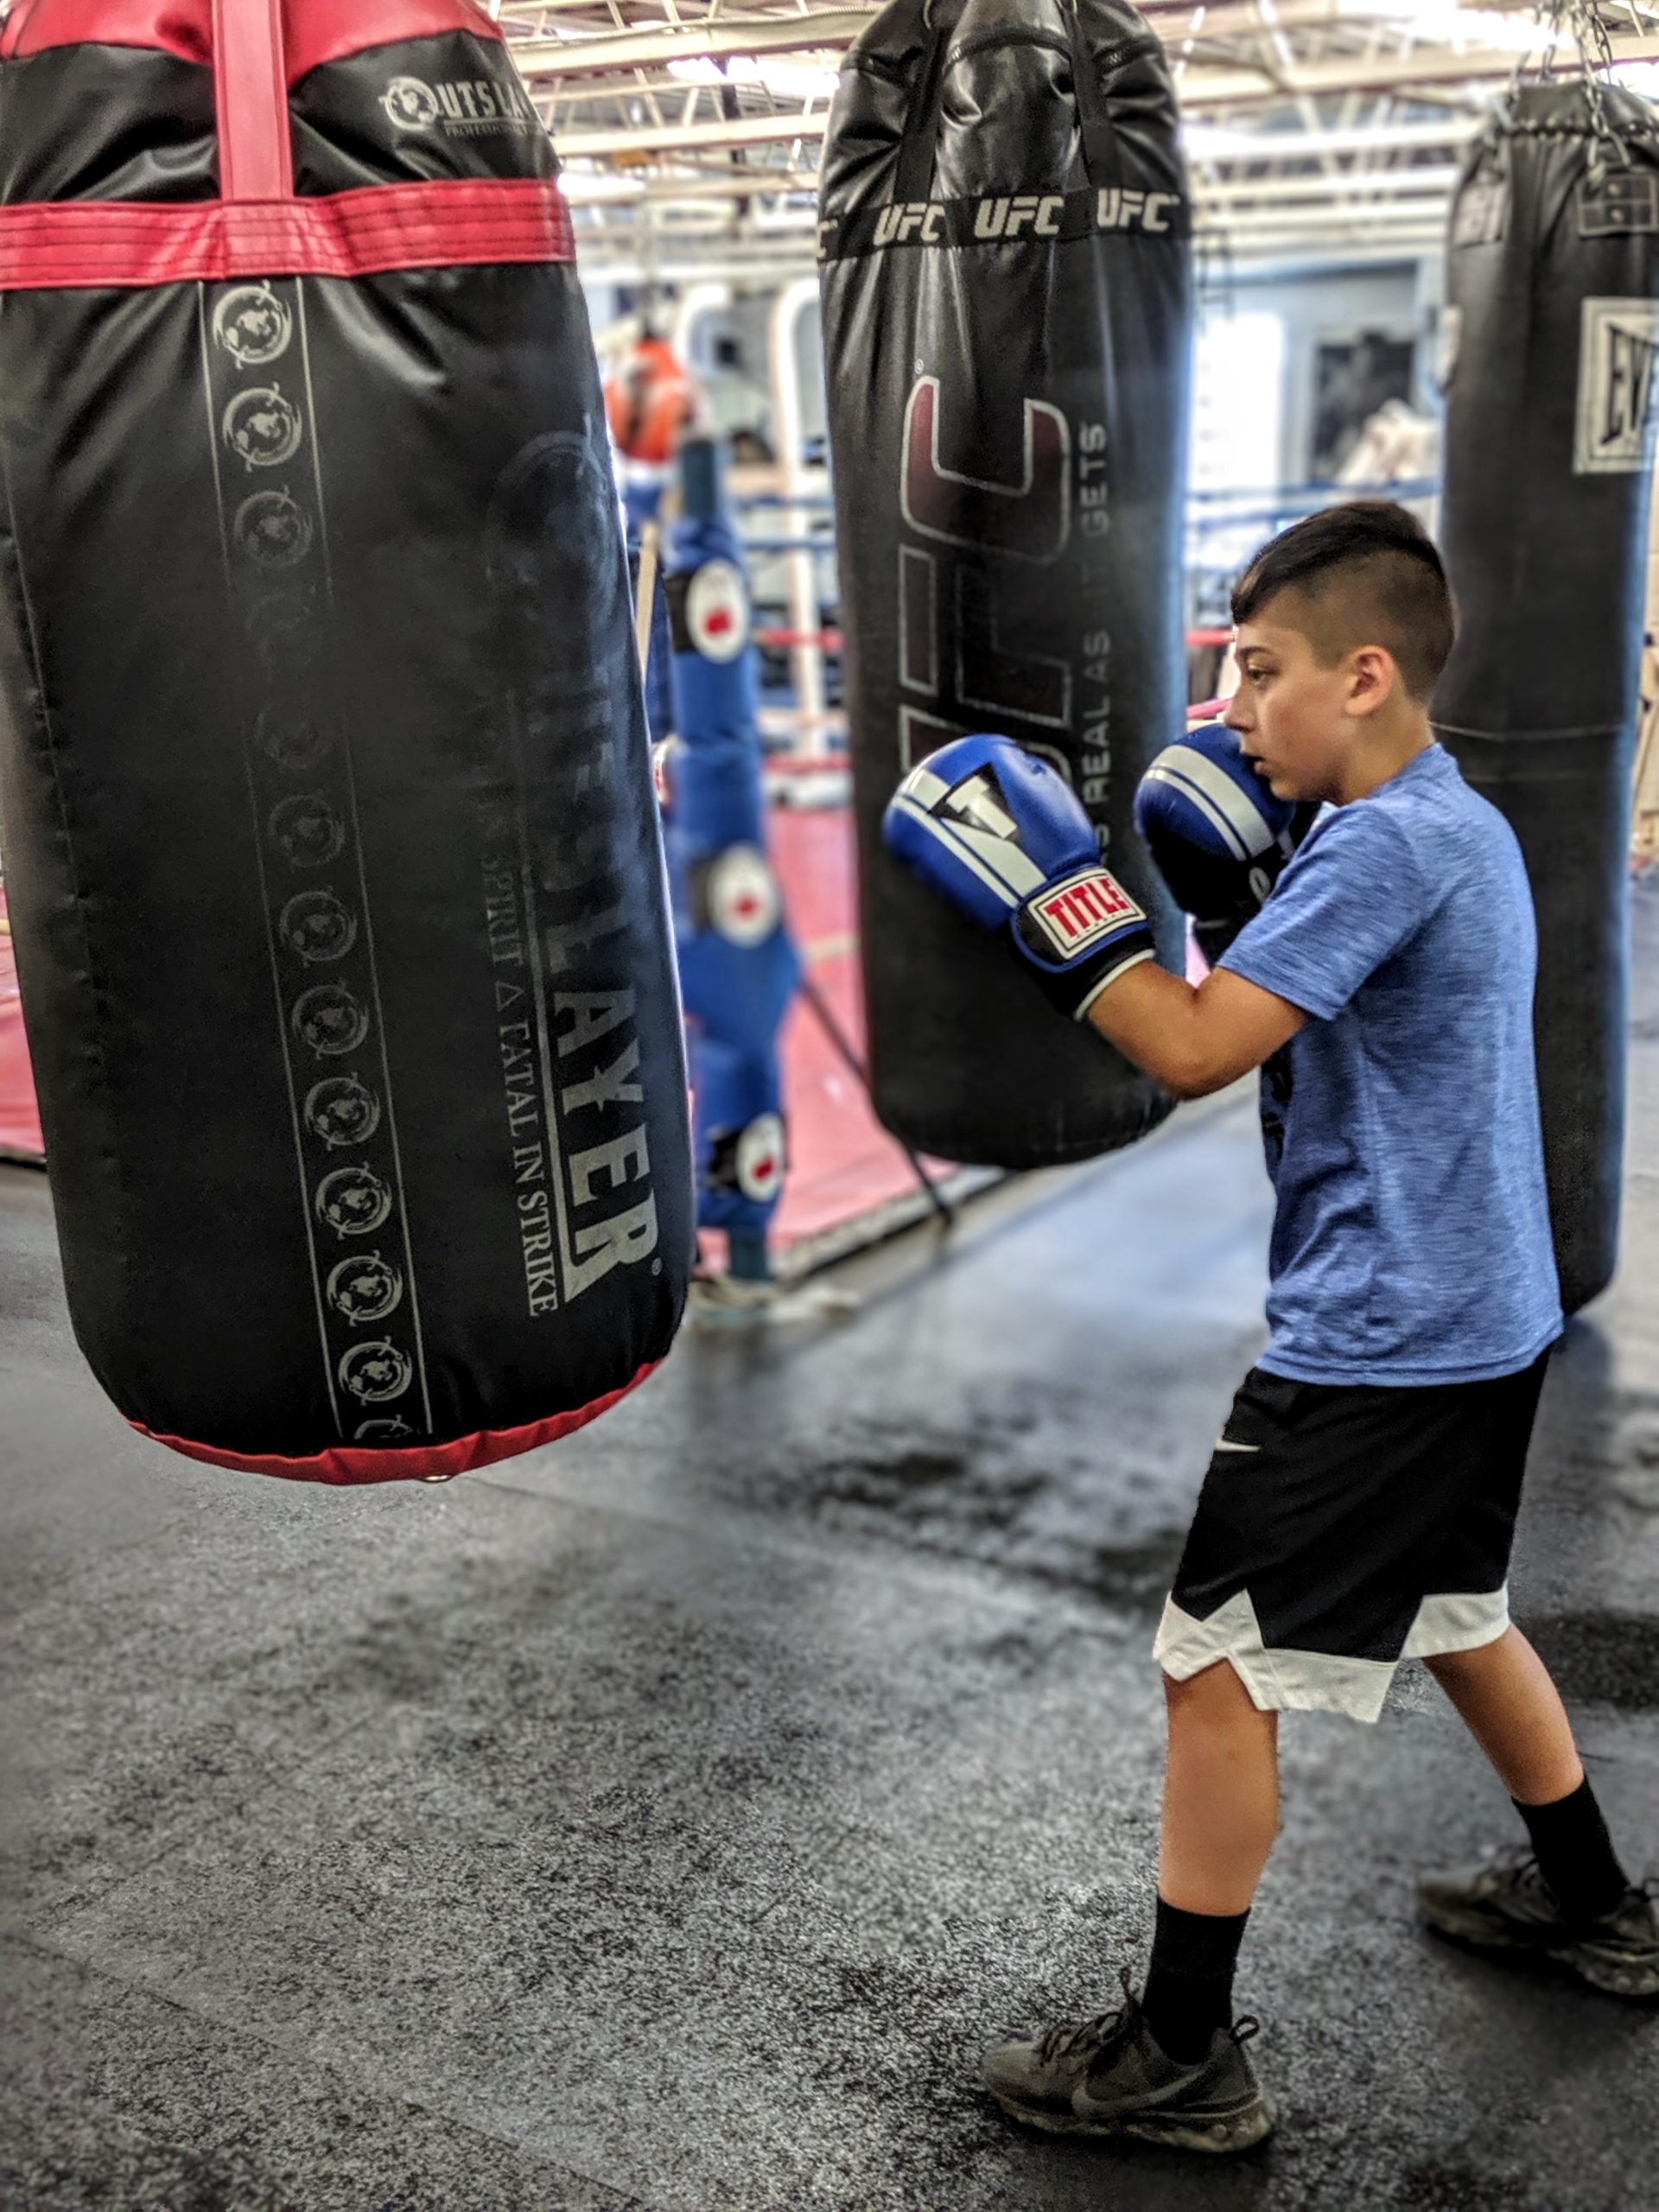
[(1221, 1815), (1510, 1706), (1504, 1695), (1158, 2068), (1221, 1793), (1568, 1898)]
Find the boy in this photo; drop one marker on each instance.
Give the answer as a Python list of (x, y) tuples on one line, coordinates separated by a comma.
[(1361, 1502)]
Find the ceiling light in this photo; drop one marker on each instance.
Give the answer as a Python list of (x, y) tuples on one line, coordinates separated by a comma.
[(788, 80), (587, 187), (1442, 22)]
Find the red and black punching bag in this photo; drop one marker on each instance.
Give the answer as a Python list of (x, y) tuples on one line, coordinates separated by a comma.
[(1005, 241), (330, 839), (1552, 291)]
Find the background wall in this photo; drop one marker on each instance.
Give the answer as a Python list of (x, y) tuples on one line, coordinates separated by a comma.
[(1328, 307), (728, 349)]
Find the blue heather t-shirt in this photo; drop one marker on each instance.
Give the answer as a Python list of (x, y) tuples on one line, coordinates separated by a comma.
[(1411, 1241)]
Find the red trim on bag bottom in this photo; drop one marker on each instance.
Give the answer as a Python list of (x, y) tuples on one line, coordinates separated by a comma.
[(408, 1462), (315, 31), (467, 223)]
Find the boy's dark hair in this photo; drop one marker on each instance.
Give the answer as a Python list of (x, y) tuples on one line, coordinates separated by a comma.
[(1364, 574)]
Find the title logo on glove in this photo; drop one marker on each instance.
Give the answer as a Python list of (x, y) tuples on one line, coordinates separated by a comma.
[(1078, 914)]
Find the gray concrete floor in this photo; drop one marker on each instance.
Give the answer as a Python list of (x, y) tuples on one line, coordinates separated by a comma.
[(664, 1821)]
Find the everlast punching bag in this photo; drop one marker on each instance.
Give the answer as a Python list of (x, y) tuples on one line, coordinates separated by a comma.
[(1553, 283), (1005, 269), (330, 837)]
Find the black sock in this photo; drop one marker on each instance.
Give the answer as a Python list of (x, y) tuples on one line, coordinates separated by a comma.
[(1190, 1983), (1575, 1852)]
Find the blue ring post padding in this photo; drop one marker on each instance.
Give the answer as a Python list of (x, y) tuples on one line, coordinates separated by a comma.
[(700, 481), (737, 973)]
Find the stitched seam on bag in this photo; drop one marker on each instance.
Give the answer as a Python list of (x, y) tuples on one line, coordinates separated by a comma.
[(996, 41), (525, 219), (101, 996)]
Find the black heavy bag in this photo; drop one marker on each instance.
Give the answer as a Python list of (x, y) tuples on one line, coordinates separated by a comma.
[(1553, 281), (1006, 278), (330, 837)]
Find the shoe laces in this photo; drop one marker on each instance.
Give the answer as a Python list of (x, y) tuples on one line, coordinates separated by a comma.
[(1079, 2038), (1521, 1865), (1642, 1892), (1517, 1864)]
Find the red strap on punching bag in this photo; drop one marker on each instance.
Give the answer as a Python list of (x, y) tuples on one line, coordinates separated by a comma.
[(255, 158), (460, 223)]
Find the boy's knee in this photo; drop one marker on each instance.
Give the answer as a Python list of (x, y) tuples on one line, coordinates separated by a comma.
[(1460, 1666), (1217, 1690), (1181, 1691)]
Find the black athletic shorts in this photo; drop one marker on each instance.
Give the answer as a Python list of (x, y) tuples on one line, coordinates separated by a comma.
[(1342, 1529)]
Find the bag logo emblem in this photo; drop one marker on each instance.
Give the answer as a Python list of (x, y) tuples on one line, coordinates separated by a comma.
[(374, 1372), (307, 830), (315, 926), (468, 107), (262, 428), (341, 1112), (253, 326), (1618, 340), (330, 1021), (365, 1288), (410, 103), (352, 1201), (272, 530)]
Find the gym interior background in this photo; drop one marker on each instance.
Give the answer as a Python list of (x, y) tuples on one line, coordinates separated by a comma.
[(661, 1813)]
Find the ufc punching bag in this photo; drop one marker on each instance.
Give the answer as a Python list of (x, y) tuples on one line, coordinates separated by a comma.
[(330, 837), (1552, 285), (1005, 242)]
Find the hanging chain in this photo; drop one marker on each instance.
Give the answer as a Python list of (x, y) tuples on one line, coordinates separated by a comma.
[(1596, 60), (1582, 18)]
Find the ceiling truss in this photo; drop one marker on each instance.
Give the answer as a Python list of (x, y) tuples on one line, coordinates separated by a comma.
[(691, 129)]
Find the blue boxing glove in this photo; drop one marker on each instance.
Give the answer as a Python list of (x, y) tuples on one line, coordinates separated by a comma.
[(1216, 833), (1002, 833)]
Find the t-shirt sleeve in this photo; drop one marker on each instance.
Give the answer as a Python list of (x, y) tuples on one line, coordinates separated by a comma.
[(1351, 896)]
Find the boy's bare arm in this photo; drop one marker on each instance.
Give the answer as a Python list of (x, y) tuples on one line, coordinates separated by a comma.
[(1194, 1041)]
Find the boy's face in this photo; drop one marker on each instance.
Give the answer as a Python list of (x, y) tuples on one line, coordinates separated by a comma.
[(1294, 717)]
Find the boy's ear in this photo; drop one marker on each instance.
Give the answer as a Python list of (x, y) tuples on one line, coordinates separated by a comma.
[(1373, 676)]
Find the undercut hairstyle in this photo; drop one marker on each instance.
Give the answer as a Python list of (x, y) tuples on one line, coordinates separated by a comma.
[(1363, 574)]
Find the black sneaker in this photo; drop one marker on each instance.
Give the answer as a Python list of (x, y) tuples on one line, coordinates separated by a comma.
[(1505, 1904), (1109, 2076)]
